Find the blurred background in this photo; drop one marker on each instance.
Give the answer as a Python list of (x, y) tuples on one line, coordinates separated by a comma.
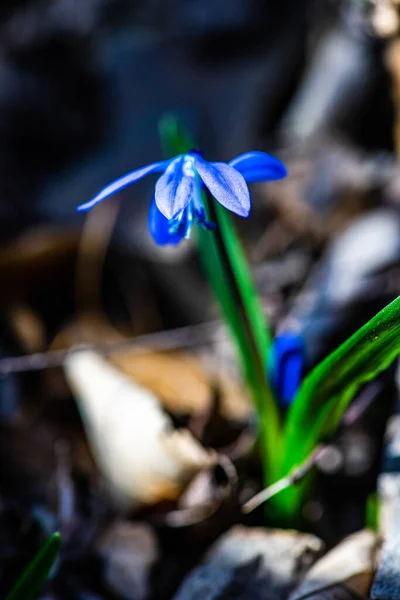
[(83, 85)]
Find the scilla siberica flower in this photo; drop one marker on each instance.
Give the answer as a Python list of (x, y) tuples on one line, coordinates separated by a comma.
[(177, 198), (285, 365)]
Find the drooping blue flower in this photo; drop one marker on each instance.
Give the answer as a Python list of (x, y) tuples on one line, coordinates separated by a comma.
[(177, 199), (285, 365)]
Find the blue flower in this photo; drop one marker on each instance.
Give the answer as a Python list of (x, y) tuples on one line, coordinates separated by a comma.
[(285, 365), (177, 199)]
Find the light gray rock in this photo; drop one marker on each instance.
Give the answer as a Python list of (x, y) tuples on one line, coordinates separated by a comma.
[(344, 572), (261, 564)]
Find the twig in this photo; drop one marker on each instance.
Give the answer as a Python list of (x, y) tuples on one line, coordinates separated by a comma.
[(172, 339), (352, 414), (294, 477)]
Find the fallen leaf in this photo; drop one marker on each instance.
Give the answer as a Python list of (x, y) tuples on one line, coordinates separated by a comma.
[(176, 378), (344, 572), (142, 457)]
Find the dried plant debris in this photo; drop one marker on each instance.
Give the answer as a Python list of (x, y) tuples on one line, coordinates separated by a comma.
[(35, 258), (211, 496), (387, 581), (389, 479), (244, 563), (142, 457), (184, 383), (129, 551), (386, 584), (340, 79), (343, 573), (385, 18), (356, 277), (177, 379)]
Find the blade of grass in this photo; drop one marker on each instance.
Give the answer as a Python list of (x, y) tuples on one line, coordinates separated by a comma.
[(372, 509), (32, 580), (327, 391)]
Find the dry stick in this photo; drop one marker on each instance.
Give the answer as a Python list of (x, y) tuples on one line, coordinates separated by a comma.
[(172, 339), (294, 477), (353, 413)]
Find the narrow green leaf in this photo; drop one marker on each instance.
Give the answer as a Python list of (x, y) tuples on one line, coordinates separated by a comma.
[(254, 311), (32, 580), (327, 391), (372, 510), (230, 278), (174, 137)]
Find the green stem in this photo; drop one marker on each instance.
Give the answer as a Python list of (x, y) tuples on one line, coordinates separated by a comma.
[(252, 357)]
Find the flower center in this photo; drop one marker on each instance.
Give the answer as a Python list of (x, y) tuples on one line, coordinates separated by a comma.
[(194, 210), (188, 166)]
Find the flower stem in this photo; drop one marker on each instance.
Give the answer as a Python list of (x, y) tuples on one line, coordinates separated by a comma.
[(220, 252)]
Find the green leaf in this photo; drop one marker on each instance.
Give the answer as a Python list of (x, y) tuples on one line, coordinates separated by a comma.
[(230, 278), (327, 391), (372, 510), (174, 137), (254, 312), (32, 580)]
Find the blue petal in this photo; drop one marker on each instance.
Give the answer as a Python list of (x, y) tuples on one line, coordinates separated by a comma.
[(174, 189), (122, 182), (259, 166), (285, 366), (160, 227), (226, 185)]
